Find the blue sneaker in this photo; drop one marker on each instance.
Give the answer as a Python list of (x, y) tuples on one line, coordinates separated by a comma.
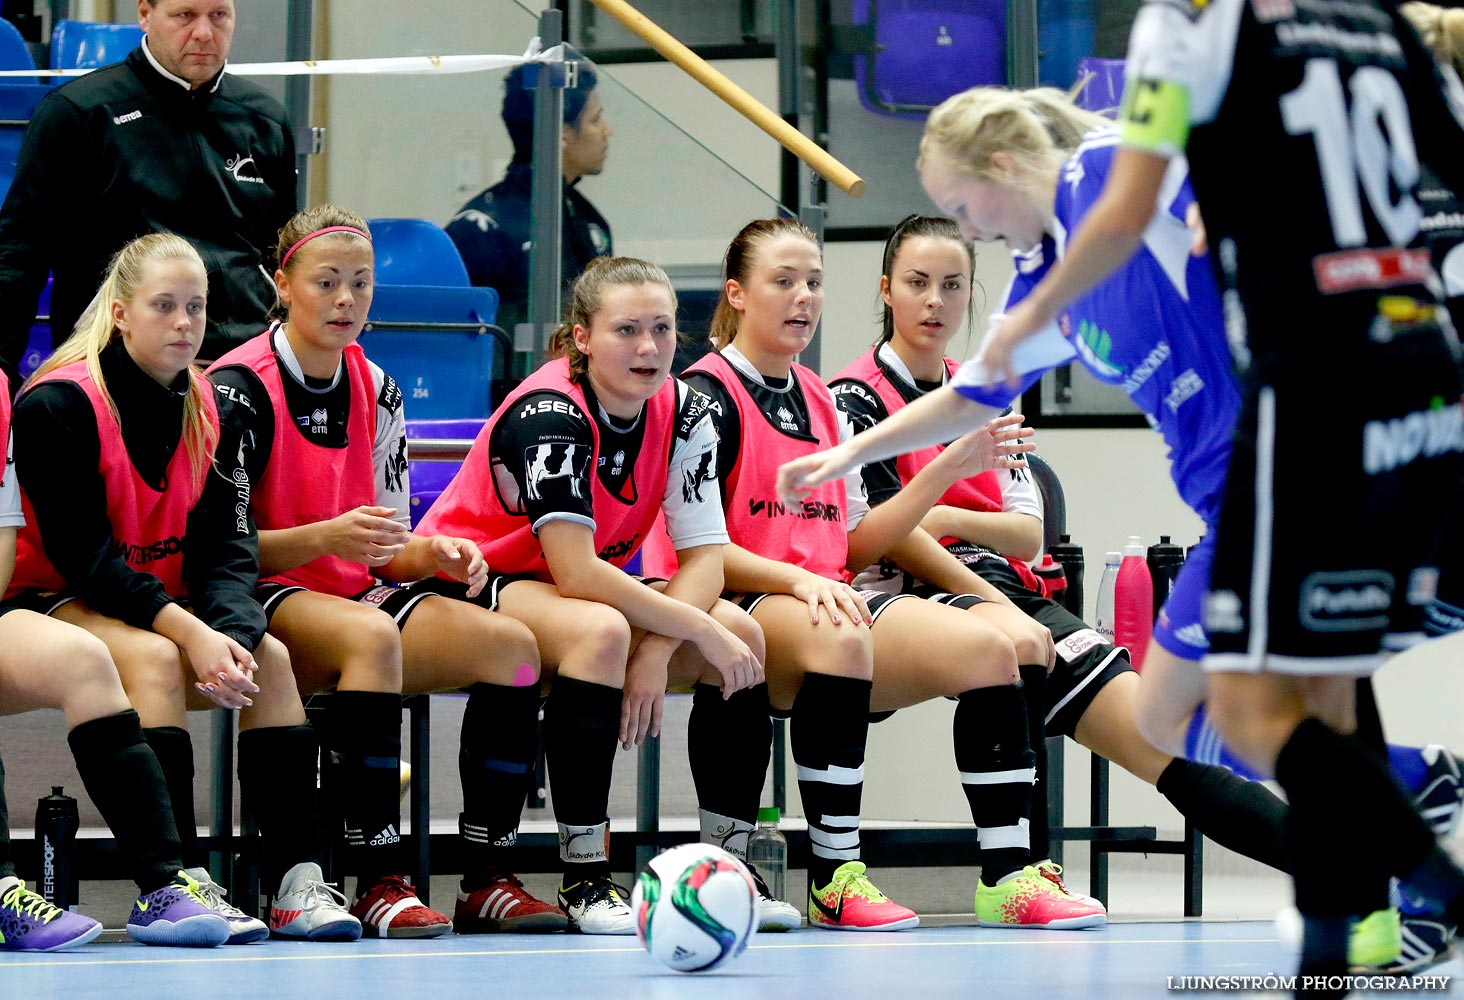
[(177, 915), (29, 923)]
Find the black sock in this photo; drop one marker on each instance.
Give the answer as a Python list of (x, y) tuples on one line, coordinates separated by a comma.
[(122, 775), (1244, 816), (1324, 775), (996, 767), (1034, 696), (496, 750), (174, 749), (581, 731), (1369, 722), (277, 784), (729, 743), (362, 733), (7, 857), (830, 723)]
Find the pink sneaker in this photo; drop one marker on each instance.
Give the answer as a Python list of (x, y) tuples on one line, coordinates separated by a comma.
[(1029, 898), (850, 902)]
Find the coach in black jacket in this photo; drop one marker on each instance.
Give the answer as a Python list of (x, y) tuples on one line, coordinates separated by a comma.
[(162, 141)]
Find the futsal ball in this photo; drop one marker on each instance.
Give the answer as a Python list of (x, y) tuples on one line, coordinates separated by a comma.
[(695, 907)]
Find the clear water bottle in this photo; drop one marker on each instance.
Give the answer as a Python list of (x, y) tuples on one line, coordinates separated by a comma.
[(1134, 603), (1105, 621), (767, 850)]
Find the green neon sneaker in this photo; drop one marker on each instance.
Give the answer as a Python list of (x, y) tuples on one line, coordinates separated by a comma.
[(850, 902), (1028, 898), (1375, 941)]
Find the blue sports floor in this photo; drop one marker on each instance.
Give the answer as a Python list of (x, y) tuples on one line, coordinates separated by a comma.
[(1122, 961)]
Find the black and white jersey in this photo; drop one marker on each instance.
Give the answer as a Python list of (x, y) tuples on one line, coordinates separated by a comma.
[(322, 407), (547, 428), (1442, 231), (783, 405), (1306, 122)]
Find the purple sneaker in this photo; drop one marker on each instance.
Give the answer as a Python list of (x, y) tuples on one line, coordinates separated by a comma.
[(29, 923), (177, 915)]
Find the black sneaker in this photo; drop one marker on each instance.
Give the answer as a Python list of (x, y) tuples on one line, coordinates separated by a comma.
[(1441, 801), (597, 906), (1427, 942)]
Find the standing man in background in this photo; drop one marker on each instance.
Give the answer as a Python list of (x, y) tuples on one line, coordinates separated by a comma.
[(494, 230), (160, 141)]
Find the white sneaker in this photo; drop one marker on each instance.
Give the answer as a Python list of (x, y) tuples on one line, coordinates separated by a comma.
[(773, 914), (243, 929), (597, 906), (310, 908)]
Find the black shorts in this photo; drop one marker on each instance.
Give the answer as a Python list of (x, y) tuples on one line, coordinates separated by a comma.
[(1085, 662), (876, 599), (42, 602), (399, 602), (1335, 496)]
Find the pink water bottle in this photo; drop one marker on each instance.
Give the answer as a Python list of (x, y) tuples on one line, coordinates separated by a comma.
[(1133, 603)]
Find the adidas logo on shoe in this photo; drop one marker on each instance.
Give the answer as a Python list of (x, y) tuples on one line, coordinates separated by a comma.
[(387, 836)]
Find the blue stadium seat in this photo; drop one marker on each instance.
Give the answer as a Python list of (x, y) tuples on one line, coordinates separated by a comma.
[(415, 252), (18, 101), (437, 346), (89, 44), (923, 51), (429, 479), (1066, 33), (14, 53), (1104, 88)]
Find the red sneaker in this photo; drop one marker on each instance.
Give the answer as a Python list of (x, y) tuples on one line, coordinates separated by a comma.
[(392, 910), (505, 906), (850, 902)]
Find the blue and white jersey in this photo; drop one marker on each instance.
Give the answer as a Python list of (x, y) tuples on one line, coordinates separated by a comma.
[(1155, 328)]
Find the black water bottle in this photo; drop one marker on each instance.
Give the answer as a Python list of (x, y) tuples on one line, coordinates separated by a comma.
[(56, 824), (1164, 559), (1070, 557)]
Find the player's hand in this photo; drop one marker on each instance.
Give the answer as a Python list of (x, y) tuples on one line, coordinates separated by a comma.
[(1005, 333), (366, 535), (837, 600), (224, 668), (644, 699), (796, 479), (1199, 239), (461, 559), (1001, 444), (730, 657)]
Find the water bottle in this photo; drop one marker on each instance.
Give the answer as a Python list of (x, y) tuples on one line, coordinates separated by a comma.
[(1164, 559), (1070, 557), (1104, 622), (767, 849), (56, 824), (1054, 579), (1133, 603)]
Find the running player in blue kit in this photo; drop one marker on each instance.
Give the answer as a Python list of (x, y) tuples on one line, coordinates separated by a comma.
[(1289, 640)]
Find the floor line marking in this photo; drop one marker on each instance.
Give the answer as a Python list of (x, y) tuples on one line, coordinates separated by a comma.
[(210, 955)]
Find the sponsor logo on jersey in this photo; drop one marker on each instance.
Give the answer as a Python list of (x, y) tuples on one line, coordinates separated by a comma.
[(809, 510), (241, 496), (130, 116), (1186, 386), (617, 463), (1223, 613), (244, 169), (1351, 270), (1319, 35), (233, 395), (1349, 601), (1147, 368), (556, 461), (390, 398), (692, 479), (141, 555), (316, 421), (1388, 444), (785, 419), (550, 406), (1093, 343), (621, 549)]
